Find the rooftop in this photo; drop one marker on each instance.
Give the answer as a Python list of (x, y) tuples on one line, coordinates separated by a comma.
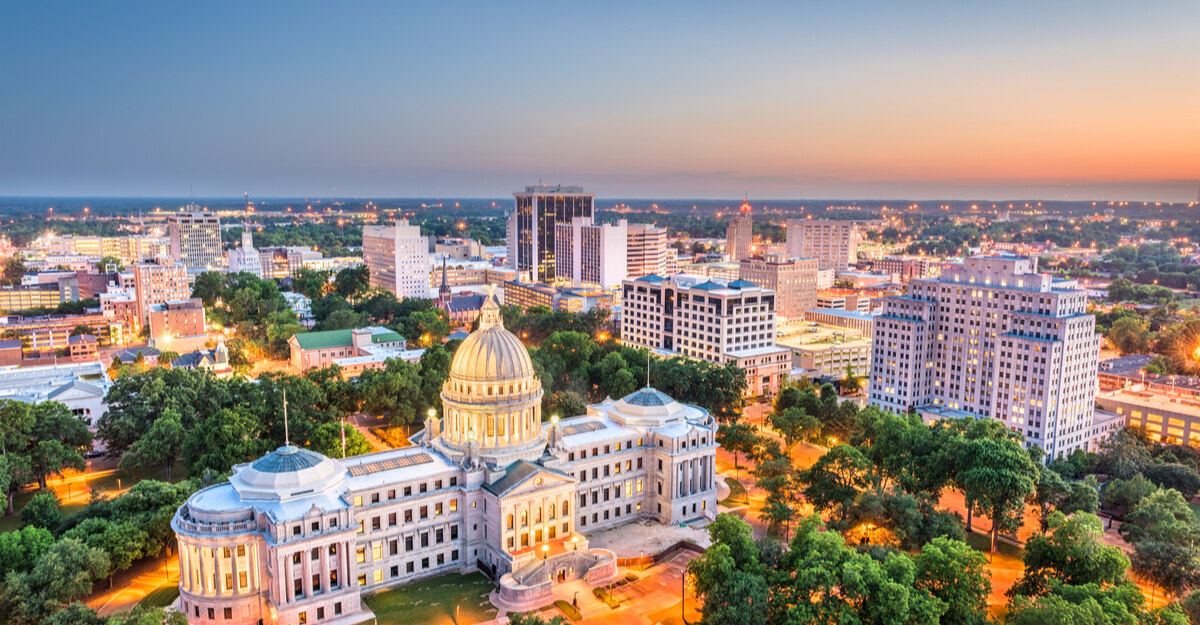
[(343, 338)]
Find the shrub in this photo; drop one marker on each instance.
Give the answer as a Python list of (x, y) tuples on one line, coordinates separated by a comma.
[(568, 609), (606, 598)]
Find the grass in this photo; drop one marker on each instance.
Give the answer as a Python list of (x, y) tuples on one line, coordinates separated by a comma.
[(160, 598), (433, 601), (737, 494)]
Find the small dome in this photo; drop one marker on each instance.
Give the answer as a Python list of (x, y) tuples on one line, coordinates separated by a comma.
[(287, 458), (491, 353), (285, 473), (648, 397)]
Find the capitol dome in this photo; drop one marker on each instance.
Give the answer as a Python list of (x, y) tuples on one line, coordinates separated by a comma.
[(648, 407), (491, 399), (491, 353)]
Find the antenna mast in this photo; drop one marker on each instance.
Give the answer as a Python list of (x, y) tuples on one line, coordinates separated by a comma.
[(286, 438)]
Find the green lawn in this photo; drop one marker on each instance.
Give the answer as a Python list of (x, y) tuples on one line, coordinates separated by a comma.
[(99, 485), (160, 598), (737, 494), (433, 601)]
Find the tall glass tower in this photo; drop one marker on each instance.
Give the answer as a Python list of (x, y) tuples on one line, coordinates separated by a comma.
[(531, 226)]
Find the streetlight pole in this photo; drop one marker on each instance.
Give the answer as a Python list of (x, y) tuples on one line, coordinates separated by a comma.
[(683, 596)]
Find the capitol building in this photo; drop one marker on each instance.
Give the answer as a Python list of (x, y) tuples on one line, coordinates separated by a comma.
[(297, 538)]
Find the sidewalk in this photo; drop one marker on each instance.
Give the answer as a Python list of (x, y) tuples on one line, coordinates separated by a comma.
[(130, 587)]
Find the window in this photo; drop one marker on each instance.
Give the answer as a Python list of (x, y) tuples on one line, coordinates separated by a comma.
[(375, 524), (424, 539), (453, 532), (392, 494), (360, 554), (454, 505), (378, 575), (408, 516), (410, 567), (377, 551), (243, 581), (320, 613), (362, 579), (337, 608), (360, 527), (408, 543), (424, 512), (316, 527), (437, 509), (437, 485), (394, 571), (438, 536), (424, 563), (358, 500), (374, 497)]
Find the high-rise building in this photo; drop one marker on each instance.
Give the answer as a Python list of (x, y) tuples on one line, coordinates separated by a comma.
[(195, 236), (591, 254), (794, 281), (834, 243), (160, 281), (739, 237), (992, 338), (646, 251), (531, 228), (246, 258), (178, 325), (398, 258), (711, 320)]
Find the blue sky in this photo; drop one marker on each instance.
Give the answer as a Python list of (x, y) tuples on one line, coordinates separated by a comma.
[(695, 99)]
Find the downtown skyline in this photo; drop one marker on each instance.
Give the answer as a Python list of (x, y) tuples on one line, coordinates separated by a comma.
[(874, 101)]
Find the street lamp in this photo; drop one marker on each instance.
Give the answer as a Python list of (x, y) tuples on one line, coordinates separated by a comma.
[(574, 543), (432, 413), (545, 552)]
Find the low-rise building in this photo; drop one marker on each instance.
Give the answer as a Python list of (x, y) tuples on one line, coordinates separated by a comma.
[(40, 295), (843, 299), (352, 350), (81, 386), (1165, 417)]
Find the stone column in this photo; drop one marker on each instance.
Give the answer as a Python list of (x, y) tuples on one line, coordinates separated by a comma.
[(289, 578), (306, 572), (348, 574), (325, 567), (218, 570), (200, 561), (233, 567), (185, 573)]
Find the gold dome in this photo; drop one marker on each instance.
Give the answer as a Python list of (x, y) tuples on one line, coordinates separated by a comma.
[(491, 353)]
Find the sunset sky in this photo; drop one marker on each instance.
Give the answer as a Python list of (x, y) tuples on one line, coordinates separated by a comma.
[(459, 99)]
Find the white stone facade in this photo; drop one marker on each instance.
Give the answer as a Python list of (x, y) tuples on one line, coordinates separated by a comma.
[(992, 338)]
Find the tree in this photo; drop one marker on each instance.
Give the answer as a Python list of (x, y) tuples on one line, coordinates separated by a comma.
[(327, 440), (1180, 477), (43, 511), (56, 438), (310, 282), (230, 437), (161, 445), (343, 320), (76, 614), (64, 573), (430, 327), (738, 438), (1130, 335), (1172, 566), (14, 270), (82, 329), (1123, 455), (352, 282), (1072, 552), (794, 425), (957, 575), (15, 473), (1127, 493), (167, 357), (20, 549), (1162, 515), (834, 480), (740, 600), (996, 476)]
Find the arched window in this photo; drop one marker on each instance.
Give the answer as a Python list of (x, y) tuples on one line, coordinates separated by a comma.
[(524, 518), (552, 511), (538, 518), (510, 521)]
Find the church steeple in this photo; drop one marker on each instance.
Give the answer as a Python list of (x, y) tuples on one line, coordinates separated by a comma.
[(444, 290)]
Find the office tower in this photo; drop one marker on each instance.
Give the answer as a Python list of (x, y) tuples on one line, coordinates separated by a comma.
[(646, 251), (992, 338), (591, 254), (195, 237), (739, 237), (794, 281), (710, 320), (156, 282), (531, 228), (833, 243), (277, 263), (398, 258), (246, 258)]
